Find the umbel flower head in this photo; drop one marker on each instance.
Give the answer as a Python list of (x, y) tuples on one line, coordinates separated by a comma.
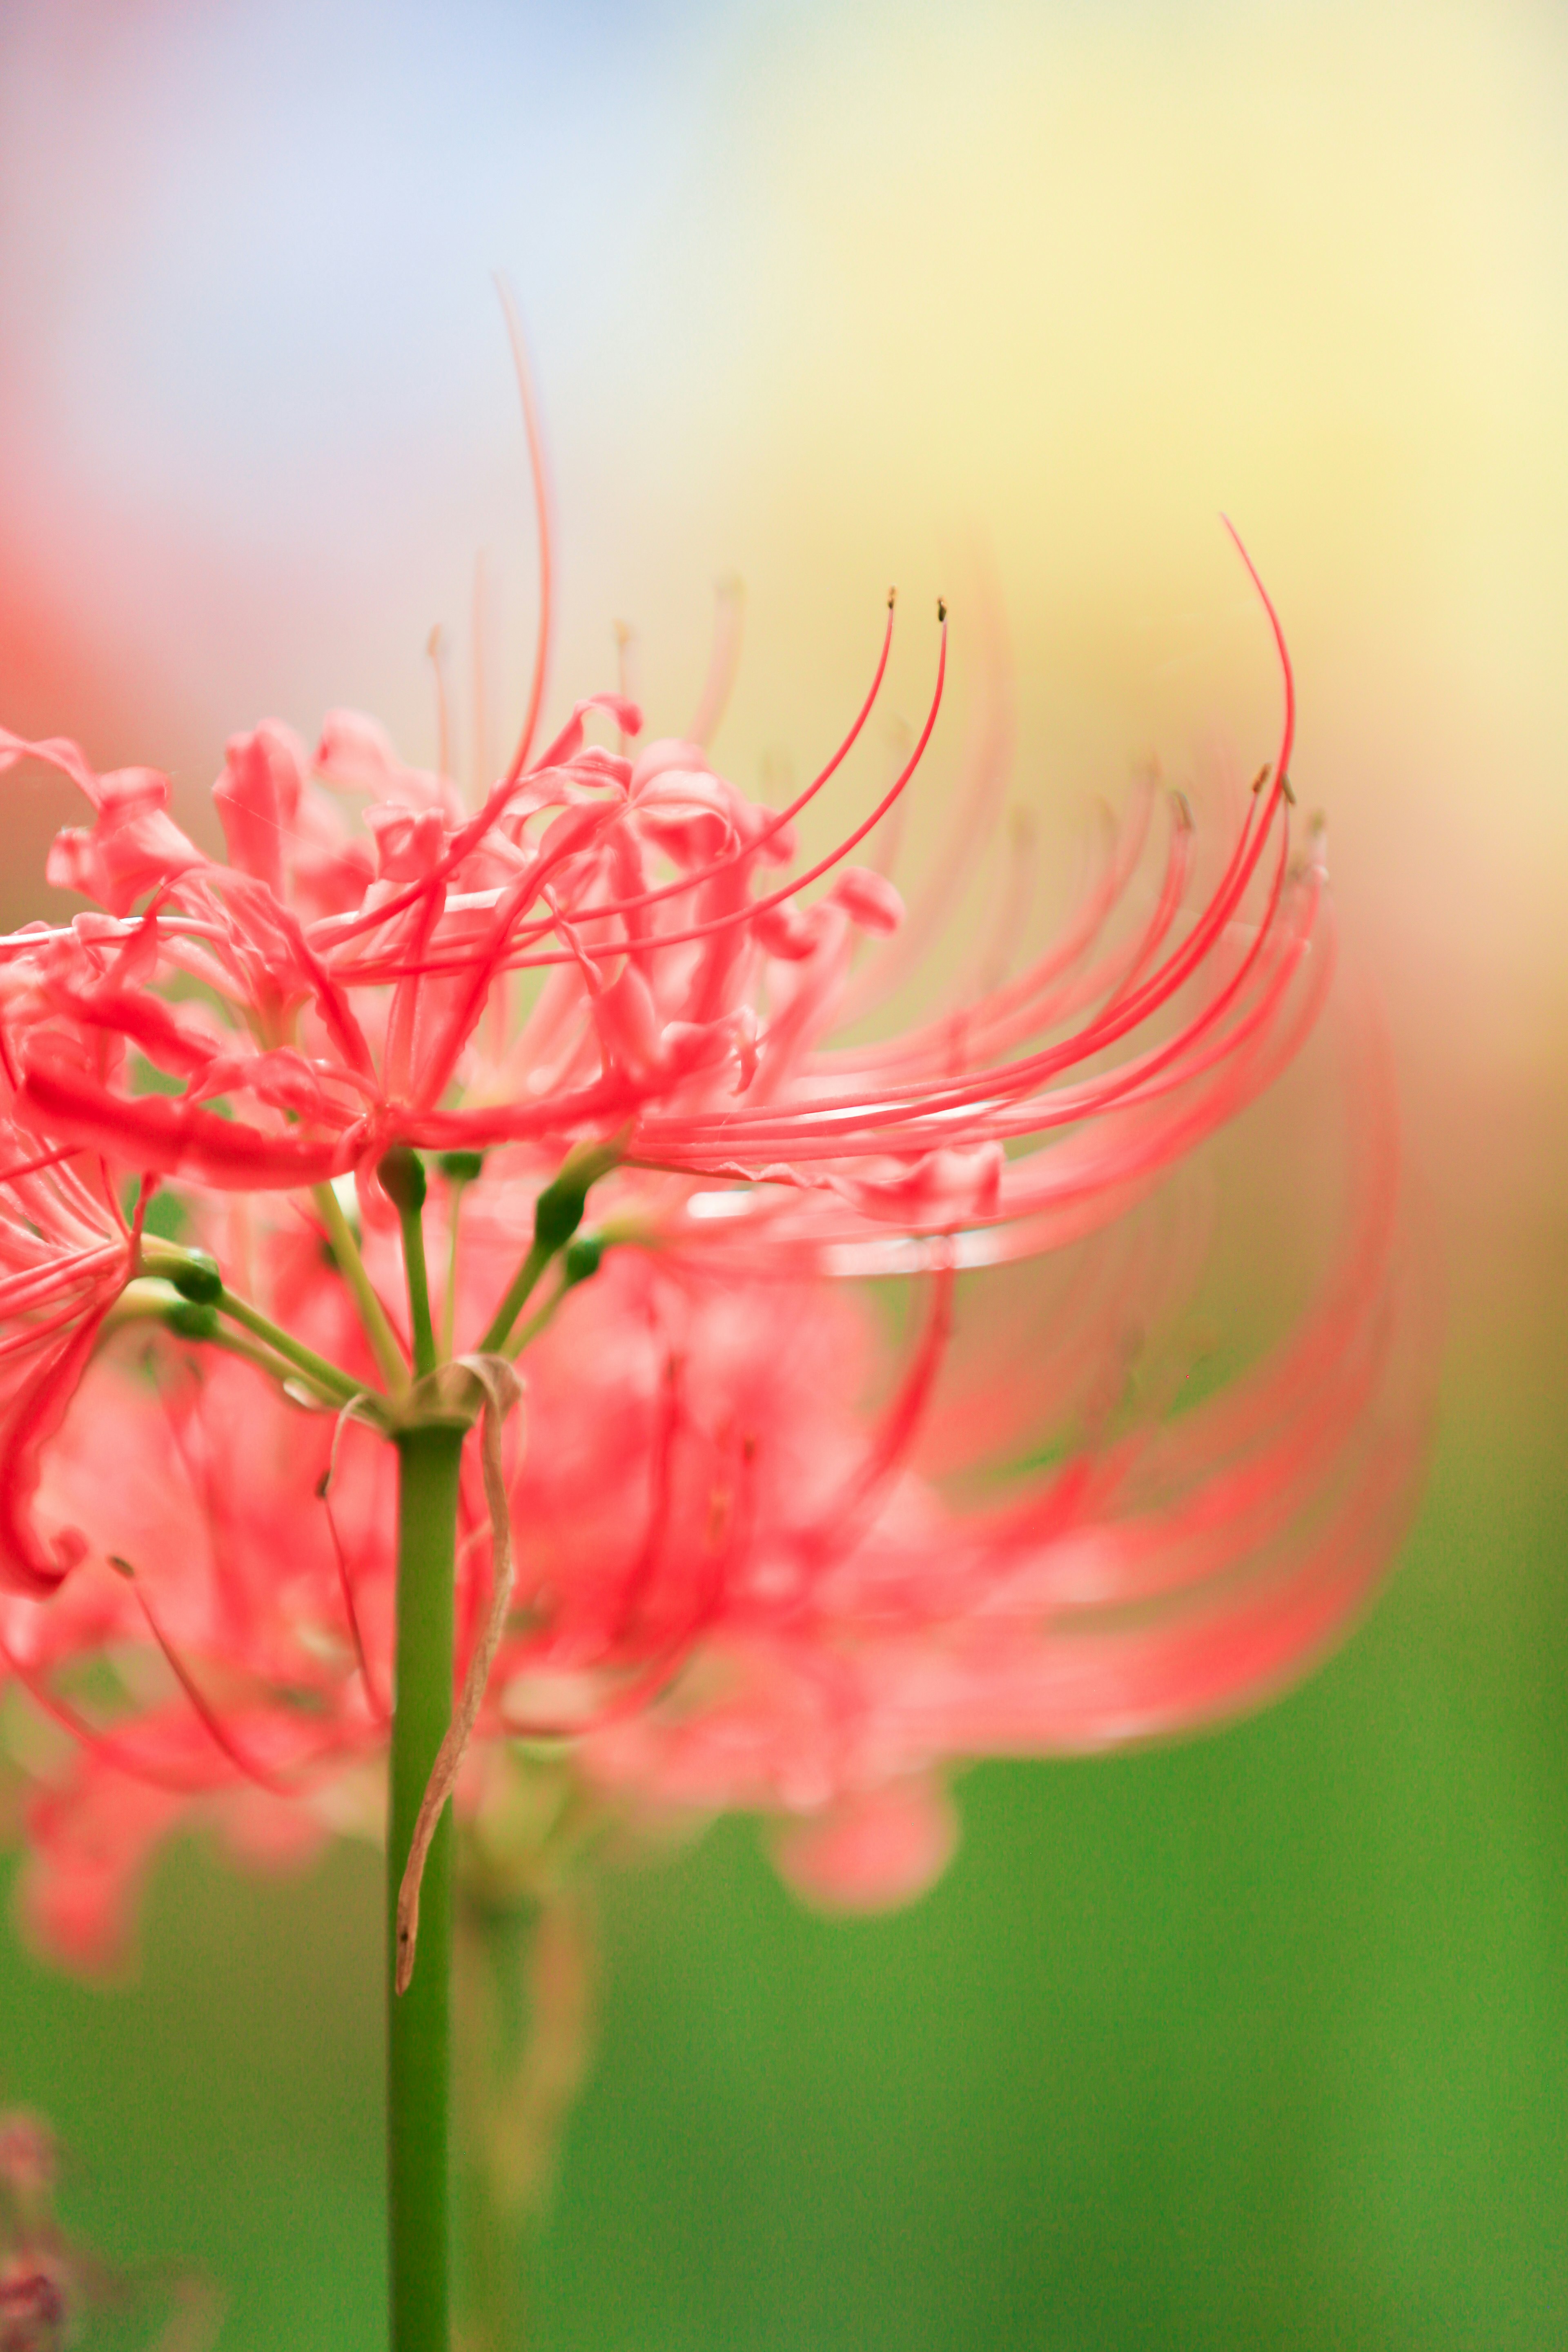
[(250, 1104)]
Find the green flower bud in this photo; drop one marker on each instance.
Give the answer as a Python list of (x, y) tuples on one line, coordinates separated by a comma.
[(191, 1321), (459, 1167), (583, 1258), (402, 1174), (199, 1279), (558, 1213)]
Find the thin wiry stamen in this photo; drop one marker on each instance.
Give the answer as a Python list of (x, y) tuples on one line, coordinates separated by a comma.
[(538, 477), (751, 908)]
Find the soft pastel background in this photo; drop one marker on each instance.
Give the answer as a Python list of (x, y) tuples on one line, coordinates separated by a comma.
[(1262, 2041)]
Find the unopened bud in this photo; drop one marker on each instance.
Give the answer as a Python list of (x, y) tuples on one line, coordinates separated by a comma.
[(582, 1258), (402, 1174), (459, 1167), (198, 1278), (190, 1320), (558, 1211)]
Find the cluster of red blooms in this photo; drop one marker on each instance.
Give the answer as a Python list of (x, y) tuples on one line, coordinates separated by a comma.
[(734, 1588)]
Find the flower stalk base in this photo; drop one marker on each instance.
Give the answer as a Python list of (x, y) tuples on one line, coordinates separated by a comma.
[(418, 2074)]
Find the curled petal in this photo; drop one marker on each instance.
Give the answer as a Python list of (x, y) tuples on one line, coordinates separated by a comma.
[(356, 755), (134, 846), (938, 1188), (869, 901), (407, 842), (627, 716), (258, 799)]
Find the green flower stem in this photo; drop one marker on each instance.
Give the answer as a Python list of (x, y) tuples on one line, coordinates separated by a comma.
[(423, 1330), (321, 1374), (517, 1297), (418, 2050), (351, 1265), (536, 1323), (280, 1355), (458, 1186), (277, 1367)]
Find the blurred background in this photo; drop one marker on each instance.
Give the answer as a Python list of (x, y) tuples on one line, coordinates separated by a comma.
[(1260, 2040)]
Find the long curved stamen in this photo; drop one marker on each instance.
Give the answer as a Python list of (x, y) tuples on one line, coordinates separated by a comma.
[(820, 1128), (435, 654), (217, 1731), (541, 523), (378, 1707), (660, 1488), (607, 950), (1021, 1007), (722, 663), (103, 1745), (496, 958), (1288, 731), (340, 930), (840, 1525), (770, 831)]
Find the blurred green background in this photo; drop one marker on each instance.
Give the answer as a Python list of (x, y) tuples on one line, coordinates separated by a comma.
[(1258, 2040)]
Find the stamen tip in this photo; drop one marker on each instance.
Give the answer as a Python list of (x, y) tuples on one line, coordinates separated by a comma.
[(942, 610), (1261, 778)]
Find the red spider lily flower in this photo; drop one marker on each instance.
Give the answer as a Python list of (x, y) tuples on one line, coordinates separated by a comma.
[(731, 1587), (338, 985), (735, 1587), (687, 995)]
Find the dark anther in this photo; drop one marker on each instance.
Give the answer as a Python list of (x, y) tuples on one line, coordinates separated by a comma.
[(1261, 778), (942, 608)]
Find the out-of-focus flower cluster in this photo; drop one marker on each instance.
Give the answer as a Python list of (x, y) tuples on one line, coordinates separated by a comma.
[(738, 1584), (49, 2285)]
